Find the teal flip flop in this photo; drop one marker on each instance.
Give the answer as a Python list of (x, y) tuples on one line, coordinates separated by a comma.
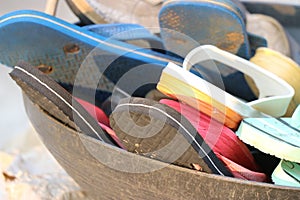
[(287, 174), (276, 136)]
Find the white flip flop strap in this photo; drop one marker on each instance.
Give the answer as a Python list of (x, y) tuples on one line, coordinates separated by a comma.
[(275, 93)]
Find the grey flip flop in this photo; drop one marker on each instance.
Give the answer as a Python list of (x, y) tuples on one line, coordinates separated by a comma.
[(149, 128)]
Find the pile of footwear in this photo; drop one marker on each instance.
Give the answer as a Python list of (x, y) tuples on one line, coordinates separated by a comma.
[(204, 84)]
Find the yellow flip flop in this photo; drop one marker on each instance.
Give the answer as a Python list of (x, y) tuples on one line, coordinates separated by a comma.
[(281, 66)]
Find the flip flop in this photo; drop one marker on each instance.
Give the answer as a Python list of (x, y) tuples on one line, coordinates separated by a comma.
[(54, 99), (185, 25), (75, 54), (276, 136), (119, 169), (287, 174), (157, 131), (63, 49), (112, 134), (94, 111), (200, 22), (102, 119), (270, 29), (223, 141), (142, 12), (286, 13), (282, 67), (179, 83)]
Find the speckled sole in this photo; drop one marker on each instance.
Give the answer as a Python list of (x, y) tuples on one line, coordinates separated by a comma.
[(155, 130)]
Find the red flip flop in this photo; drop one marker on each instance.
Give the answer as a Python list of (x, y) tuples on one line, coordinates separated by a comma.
[(223, 141), (102, 119), (96, 112)]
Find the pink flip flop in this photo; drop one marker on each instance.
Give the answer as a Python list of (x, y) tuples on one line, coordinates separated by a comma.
[(223, 141)]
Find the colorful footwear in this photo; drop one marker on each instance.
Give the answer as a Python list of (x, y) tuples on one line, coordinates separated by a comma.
[(106, 169), (102, 119), (199, 22), (223, 141), (179, 83), (72, 55), (94, 111), (157, 131), (185, 25), (287, 174), (276, 136), (282, 67)]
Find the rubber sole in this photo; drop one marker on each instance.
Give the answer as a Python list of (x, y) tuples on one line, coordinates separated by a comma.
[(157, 131)]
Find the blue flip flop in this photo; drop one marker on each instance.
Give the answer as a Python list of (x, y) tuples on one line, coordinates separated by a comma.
[(199, 22), (72, 55), (186, 25), (127, 33)]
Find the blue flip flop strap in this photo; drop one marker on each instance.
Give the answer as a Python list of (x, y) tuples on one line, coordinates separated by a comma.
[(126, 32), (256, 42)]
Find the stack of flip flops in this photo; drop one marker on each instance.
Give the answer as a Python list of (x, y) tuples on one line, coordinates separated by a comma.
[(204, 86)]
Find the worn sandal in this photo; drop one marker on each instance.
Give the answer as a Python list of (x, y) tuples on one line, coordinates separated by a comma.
[(54, 99), (229, 149), (157, 131)]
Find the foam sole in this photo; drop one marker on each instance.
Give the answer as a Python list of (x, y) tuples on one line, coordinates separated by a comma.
[(272, 136), (155, 130)]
